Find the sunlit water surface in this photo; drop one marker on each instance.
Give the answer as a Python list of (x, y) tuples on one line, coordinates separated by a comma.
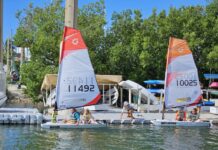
[(137, 137)]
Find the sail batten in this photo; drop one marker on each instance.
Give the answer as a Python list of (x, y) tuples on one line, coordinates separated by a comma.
[(77, 85), (182, 86)]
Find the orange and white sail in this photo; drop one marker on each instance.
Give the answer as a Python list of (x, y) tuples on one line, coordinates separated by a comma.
[(76, 85), (182, 86)]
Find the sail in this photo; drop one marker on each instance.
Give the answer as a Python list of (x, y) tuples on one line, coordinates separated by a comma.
[(76, 85), (182, 86)]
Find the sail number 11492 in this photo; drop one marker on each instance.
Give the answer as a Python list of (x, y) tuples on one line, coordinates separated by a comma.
[(81, 88)]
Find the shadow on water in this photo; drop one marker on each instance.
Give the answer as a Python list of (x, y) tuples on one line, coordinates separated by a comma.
[(120, 137)]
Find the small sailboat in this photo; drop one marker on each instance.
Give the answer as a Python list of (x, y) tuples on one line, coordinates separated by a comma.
[(182, 87), (76, 84)]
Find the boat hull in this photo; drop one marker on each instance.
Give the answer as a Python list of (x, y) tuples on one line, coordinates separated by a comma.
[(50, 125), (180, 123)]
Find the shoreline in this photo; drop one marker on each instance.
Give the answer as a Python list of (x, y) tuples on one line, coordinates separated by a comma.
[(140, 118), (18, 99)]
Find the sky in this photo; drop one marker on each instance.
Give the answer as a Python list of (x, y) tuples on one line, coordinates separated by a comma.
[(145, 6)]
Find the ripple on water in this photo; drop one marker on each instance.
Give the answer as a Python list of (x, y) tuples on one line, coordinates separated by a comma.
[(120, 137)]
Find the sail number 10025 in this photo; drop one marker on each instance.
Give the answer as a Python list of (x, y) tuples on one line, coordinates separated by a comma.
[(81, 88), (186, 82)]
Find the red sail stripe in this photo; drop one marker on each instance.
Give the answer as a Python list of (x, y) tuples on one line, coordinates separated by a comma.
[(197, 100), (94, 101), (170, 77)]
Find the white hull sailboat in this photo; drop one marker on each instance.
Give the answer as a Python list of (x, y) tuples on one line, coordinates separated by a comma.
[(180, 123), (76, 84), (61, 125), (182, 87)]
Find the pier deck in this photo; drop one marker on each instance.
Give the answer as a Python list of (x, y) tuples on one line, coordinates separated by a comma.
[(140, 118)]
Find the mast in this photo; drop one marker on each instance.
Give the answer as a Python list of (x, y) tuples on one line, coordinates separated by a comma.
[(163, 111), (165, 81), (71, 9), (1, 31)]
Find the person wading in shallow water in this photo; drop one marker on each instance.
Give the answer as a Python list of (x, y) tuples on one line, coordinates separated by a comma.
[(127, 107), (181, 114)]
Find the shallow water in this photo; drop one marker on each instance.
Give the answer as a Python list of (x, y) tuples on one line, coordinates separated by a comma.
[(134, 137)]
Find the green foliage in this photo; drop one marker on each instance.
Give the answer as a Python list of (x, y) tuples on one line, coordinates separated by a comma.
[(41, 30), (132, 46), (213, 58), (137, 47), (32, 74), (91, 22)]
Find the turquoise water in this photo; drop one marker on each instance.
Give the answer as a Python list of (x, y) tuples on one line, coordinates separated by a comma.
[(134, 137)]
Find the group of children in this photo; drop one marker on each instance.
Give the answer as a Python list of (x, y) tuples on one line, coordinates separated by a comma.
[(193, 116), (89, 119), (74, 117), (180, 114)]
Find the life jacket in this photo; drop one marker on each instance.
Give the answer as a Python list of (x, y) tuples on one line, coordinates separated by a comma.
[(75, 116), (54, 117)]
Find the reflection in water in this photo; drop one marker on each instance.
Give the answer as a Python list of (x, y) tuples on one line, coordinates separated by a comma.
[(25, 137), (183, 138), (114, 137)]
